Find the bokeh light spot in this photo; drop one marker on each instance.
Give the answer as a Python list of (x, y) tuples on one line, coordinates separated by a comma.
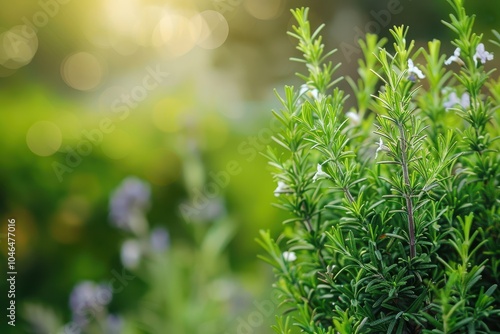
[(214, 29), (176, 34), (44, 138), (145, 25), (82, 71), (120, 13), (18, 46), (264, 9)]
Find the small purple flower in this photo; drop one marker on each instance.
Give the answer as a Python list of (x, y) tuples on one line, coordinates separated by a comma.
[(114, 324), (129, 199), (465, 100), (482, 54), (88, 298), (159, 239), (453, 100)]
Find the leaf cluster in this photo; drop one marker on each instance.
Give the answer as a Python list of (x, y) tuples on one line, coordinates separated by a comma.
[(394, 216)]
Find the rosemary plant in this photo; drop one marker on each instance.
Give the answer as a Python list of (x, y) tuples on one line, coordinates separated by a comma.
[(394, 206)]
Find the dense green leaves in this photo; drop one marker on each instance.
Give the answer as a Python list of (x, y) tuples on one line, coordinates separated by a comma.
[(394, 210)]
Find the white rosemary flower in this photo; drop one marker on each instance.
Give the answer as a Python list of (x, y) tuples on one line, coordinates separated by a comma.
[(455, 58), (412, 69), (354, 117), (320, 174), (282, 188), (306, 90), (380, 147), (289, 256)]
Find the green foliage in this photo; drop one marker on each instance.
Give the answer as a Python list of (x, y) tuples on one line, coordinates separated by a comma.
[(393, 206)]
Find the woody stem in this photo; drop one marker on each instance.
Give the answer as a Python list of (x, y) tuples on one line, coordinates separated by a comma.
[(407, 192)]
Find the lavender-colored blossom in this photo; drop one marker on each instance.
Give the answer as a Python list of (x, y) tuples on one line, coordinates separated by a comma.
[(130, 198), (114, 324), (482, 54), (73, 327), (453, 100), (465, 100), (88, 297), (159, 239)]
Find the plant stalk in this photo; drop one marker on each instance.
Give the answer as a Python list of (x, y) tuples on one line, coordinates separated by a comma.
[(409, 203)]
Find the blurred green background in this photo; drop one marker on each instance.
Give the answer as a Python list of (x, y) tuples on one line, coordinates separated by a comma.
[(168, 91)]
